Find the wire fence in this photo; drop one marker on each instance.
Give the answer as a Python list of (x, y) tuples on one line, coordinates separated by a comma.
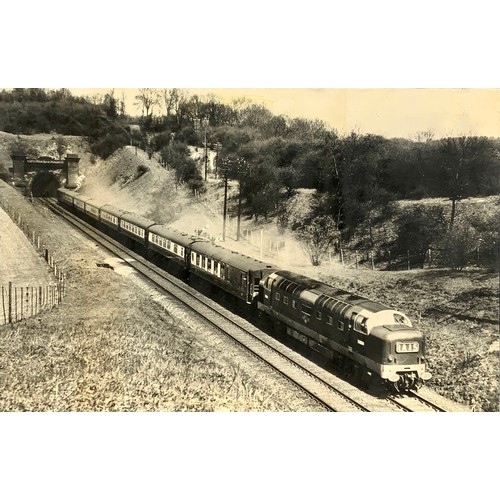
[(22, 302)]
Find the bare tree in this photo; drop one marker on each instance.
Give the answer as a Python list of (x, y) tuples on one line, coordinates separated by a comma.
[(148, 99), (317, 237), (173, 98), (462, 162)]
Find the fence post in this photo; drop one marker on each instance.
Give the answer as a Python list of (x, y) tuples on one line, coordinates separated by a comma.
[(10, 302), (356, 257), (408, 257), (373, 262), (3, 308)]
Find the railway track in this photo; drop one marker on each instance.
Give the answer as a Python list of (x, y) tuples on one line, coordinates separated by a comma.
[(321, 388), (414, 402)]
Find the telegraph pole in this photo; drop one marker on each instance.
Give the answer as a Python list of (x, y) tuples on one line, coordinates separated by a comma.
[(205, 123), (225, 205)]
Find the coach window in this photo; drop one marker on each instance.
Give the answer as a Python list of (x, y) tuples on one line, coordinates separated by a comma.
[(294, 303), (318, 315), (277, 296), (209, 265), (285, 300), (306, 309), (341, 326), (329, 320)]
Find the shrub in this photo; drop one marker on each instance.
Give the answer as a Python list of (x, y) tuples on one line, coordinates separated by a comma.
[(459, 245)]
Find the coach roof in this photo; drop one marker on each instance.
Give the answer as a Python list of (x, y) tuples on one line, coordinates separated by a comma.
[(110, 209), (171, 234), (138, 220), (230, 257)]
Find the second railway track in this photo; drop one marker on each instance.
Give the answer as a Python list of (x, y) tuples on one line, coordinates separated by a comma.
[(320, 387)]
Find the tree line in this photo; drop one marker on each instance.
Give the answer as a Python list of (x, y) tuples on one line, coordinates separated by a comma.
[(355, 179)]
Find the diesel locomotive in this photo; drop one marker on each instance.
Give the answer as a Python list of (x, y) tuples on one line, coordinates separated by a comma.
[(368, 339)]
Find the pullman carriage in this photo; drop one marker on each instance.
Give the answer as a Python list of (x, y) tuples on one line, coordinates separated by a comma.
[(79, 201), (135, 226), (65, 197), (170, 243), (237, 274), (92, 208), (110, 216)]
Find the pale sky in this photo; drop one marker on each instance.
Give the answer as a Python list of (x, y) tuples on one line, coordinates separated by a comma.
[(388, 112)]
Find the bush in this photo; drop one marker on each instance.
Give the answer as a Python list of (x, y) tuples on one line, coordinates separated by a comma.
[(110, 143), (459, 247), (418, 230)]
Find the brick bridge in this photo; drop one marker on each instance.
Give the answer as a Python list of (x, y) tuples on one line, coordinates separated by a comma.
[(44, 175)]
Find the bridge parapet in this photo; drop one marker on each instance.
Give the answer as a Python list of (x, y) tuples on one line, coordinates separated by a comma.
[(24, 169)]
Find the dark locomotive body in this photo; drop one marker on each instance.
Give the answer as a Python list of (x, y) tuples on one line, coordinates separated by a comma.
[(361, 334), (370, 338)]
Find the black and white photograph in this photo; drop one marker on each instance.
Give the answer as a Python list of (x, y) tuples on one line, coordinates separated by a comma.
[(232, 250), (247, 252)]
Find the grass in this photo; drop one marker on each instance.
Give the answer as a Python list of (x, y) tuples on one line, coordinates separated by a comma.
[(111, 347), (460, 352)]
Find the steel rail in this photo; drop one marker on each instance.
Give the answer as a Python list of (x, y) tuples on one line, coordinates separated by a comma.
[(256, 342)]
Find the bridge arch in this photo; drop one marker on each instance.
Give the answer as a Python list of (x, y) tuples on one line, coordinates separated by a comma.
[(40, 176), (45, 184)]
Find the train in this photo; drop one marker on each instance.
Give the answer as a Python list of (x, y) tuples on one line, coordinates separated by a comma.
[(369, 340)]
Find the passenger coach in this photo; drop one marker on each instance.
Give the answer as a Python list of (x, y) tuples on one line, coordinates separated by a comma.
[(135, 227), (170, 243), (235, 273)]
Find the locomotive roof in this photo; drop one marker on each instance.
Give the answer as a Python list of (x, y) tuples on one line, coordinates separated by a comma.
[(313, 290), (137, 220), (230, 257), (171, 234)]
